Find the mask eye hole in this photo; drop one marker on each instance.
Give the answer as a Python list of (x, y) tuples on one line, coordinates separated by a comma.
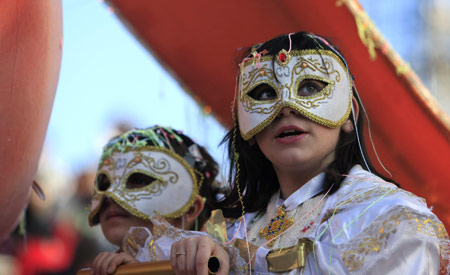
[(138, 180), (309, 87), (102, 182), (263, 92)]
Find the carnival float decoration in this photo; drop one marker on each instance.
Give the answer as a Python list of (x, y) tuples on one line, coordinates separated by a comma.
[(30, 57)]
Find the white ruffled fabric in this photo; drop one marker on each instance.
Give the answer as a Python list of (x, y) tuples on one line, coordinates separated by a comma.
[(376, 228), (147, 247), (368, 226)]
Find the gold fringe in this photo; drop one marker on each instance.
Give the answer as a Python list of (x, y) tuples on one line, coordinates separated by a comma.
[(372, 38)]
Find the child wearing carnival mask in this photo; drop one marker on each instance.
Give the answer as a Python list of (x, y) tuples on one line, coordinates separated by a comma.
[(149, 182), (305, 197)]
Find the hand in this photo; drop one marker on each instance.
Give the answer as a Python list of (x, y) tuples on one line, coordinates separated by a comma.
[(107, 262), (190, 256)]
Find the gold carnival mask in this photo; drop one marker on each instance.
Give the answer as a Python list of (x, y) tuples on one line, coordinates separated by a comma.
[(145, 181), (282, 75)]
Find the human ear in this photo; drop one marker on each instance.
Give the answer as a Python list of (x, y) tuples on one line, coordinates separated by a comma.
[(347, 127), (194, 211)]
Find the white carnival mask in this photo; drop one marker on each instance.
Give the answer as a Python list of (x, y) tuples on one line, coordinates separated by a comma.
[(329, 107), (148, 181)]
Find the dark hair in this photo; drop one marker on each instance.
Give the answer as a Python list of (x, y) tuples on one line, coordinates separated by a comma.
[(255, 174), (207, 167), (208, 188)]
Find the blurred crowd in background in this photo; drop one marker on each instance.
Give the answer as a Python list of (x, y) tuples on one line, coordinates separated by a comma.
[(58, 239)]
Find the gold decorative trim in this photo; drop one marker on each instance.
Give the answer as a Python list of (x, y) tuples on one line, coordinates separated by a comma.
[(312, 99), (93, 218), (175, 214), (158, 181), (372, 38), (278, 260), (317, 119), (287, 57), (277, 225), (376, 237), (317, 66)]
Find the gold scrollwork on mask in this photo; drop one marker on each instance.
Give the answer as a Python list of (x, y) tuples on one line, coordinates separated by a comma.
[(155, 168), (312, 101), (108, 176), (154, 188), (324, 66), (251, 105), (252, 79), (162, 167), (159, 168), (256, 77), (321, 64)]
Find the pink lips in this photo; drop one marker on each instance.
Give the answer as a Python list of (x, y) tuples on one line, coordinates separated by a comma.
[(292, 138)]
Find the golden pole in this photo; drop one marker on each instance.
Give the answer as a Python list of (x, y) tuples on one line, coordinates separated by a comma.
[(155, 268)]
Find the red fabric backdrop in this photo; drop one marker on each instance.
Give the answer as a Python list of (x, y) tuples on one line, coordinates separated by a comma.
[(199, 41)]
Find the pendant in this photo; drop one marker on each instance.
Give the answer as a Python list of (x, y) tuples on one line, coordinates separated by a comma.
[(277, 225)]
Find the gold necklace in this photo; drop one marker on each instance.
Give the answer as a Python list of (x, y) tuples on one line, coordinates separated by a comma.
[(277, 225)]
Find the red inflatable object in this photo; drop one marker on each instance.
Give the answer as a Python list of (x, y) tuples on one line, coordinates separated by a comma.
[(30, 56), (49, 255), (199, 43)]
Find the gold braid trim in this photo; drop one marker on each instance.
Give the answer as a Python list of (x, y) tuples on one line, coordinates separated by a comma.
[(372, 38)]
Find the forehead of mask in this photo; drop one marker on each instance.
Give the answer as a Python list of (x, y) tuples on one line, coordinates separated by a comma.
[(329, 107), (148, 181)]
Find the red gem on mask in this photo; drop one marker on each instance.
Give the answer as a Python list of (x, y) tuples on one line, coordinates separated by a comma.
[(282, 57)]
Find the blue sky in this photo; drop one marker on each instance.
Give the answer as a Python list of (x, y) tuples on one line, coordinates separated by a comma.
[(107, 77)]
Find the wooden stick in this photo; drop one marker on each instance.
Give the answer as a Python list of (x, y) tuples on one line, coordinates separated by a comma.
[(155, 268)]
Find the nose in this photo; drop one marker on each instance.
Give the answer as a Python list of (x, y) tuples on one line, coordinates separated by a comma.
[(287, 111)]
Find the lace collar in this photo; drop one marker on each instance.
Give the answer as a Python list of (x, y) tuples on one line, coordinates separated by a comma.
[(313, 187)]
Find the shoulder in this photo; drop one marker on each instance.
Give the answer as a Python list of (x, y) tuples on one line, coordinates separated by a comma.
[(364, 189), (369, 220), (365, 199)]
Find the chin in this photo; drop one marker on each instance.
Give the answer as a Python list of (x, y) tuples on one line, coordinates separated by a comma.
[(293, 160), (115, 235)]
